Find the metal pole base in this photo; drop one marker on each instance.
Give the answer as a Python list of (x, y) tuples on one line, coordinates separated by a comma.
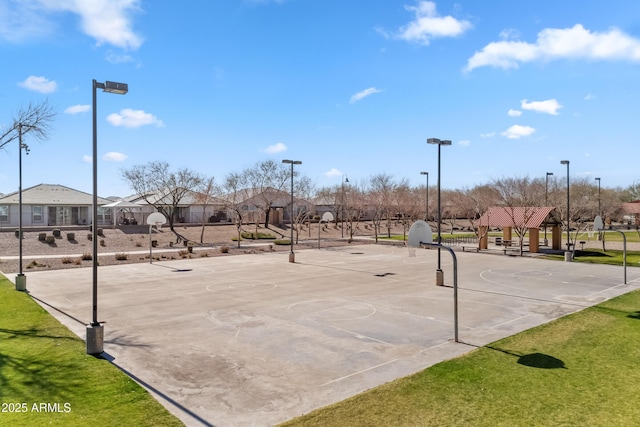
[(95, 339), (568, 256), (292, 257), (439, 278), (21, 282)]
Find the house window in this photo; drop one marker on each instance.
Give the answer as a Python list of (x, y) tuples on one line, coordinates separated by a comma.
[(37, 213), (4, 213)]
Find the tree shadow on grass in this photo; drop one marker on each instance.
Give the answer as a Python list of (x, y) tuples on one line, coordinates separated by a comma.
[(534, 360)]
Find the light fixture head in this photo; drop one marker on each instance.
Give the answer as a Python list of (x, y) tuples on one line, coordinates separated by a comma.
[(424, 173), (117, 88), (564, 162), (549, 173)]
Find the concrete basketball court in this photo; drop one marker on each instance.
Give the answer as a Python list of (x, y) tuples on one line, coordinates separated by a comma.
[(256, 340)]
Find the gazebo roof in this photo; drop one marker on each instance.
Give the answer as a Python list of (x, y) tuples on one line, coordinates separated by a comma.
[(632, 207), (517, 216)]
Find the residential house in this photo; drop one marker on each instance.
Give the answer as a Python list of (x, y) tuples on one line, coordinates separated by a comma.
[(50, 205)]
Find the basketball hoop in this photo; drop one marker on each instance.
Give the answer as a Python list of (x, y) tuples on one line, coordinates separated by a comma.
[(420, 232)]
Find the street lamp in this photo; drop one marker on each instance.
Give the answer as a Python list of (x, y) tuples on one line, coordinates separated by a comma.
[(598, 179), (345, 178), (546, 203), (426, 212), (21, 279), (566, 162), (439, 273), (292, 255), (95, 331)]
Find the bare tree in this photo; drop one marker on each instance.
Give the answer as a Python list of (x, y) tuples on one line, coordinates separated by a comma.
[(36, 120), (162, 188), (234, 196), (206, 194), (267, 180), (473, 203), (381, 201), (303, 208)]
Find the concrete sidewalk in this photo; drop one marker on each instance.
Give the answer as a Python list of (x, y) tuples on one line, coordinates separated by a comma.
[(256, 340)]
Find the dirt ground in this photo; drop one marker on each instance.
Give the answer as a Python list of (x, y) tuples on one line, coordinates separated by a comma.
[(130, 245)]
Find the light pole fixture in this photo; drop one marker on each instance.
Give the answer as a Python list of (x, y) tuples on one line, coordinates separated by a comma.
[(566, 162), (439, 273), (426, 212), (598, 179), (345, 178), (292, 255), (546, 203), (21, 279), (95, 331)]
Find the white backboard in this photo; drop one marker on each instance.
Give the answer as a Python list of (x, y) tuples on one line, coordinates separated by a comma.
[(327, 217), (598, 224), (156, 219), (420, 232)]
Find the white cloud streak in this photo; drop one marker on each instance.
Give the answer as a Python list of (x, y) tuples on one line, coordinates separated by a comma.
[(554, 44), (363, 94), (428, 25), (39, 84), (333, 172), (77, 109), (514, 113), (114, 156), (129, 118), (550, 106), (107, 21), (276, 148), (518, 131)]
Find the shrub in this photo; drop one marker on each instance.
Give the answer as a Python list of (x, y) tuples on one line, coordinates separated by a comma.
[(50, 239), (121, 256), (35, 263), (224, 250), (56, 232), (138, 244), (17, 233), (67, 260), (71, 237), (102, 243), (90, 236), (282, 242), (183, 254), (86, 257), (42, 236), (259, 235), (100, 232)]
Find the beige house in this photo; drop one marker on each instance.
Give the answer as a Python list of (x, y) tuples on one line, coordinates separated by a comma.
[(50, 205)]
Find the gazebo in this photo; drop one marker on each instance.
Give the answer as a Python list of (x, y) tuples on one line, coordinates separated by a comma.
[(520, 217)]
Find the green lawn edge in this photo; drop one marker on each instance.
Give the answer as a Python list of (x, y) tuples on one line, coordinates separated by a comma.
[(47, 379), (581, 369)]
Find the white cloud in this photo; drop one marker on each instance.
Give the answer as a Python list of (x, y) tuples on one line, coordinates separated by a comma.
[(87, 159), (114, 156), (363, 94), (553, 43), (514, 113), (333, 172), (589, 97), (133, 119), (76, 109), (107, 21), (427, 25), (276, 148), (518, 131), (487, 135), (39, 84), (465, 142), (550, 106)]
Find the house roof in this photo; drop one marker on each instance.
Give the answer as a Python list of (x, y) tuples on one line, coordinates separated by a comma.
[(517, 216), (632, 207), (51, 194)]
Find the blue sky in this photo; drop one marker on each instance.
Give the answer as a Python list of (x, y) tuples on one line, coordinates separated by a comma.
[(347, 87)]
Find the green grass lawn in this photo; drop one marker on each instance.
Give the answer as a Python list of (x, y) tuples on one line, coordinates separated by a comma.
[(46, 377), (579, 370), (598, 256)]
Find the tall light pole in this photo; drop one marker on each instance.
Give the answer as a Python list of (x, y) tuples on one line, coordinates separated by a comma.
[(21, 279), (292, 255), (598, 179), (345, 178), (426, 212), (439, 273), (566, 162), (546, 203), (95, 331)]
